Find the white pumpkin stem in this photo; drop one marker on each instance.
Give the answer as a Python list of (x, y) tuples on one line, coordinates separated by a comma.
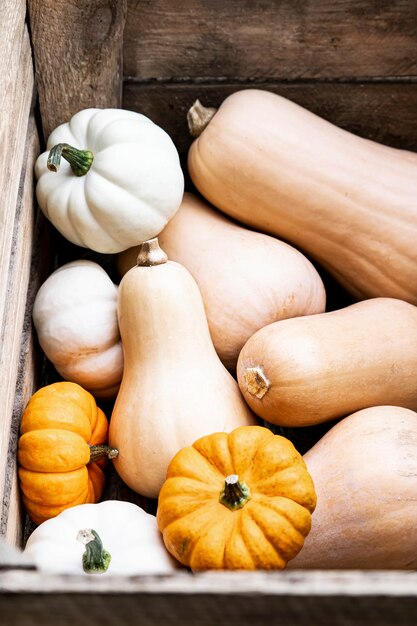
[(96, 559), (256, 382), (102, 451), (150, 254), (80, 160), (235, 493), (199, 117)]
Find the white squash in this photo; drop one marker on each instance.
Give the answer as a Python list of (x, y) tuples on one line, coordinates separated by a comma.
[(123, 184), (126, 533), (75, 316)]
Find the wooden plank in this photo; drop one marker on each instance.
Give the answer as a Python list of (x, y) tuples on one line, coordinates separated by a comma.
[(16, 204), (383, 112), (12, 26), (234, 599), (78, 56), (289, 39), (16, 93), (17, 358)]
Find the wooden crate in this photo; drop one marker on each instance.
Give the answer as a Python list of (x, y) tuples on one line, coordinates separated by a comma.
[(352, 62)]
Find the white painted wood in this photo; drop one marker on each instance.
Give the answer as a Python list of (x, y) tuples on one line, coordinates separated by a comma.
[(289, 583)]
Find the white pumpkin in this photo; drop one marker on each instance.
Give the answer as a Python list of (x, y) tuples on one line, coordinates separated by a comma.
[(75, 316), (124, 184), (126, 541)]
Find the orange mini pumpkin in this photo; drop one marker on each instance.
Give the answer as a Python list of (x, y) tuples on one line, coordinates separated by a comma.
[(59, 451), (236, 501)]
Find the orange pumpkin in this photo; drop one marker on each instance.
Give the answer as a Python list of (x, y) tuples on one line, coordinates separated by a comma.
[(236, 501), (59, 451)]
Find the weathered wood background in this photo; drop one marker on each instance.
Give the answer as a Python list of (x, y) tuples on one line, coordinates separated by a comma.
[(353, 62), (211, 599), (19, 148)]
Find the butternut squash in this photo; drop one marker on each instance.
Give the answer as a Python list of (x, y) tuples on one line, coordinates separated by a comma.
[(308, 370), (174, 388), (348, 202), (365, 475), (247, 279)]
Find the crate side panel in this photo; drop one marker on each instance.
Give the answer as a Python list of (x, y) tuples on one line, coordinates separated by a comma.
[(206, 609), (17, 95), (78, 56), (17, 354), (270, 40), (19, 147)]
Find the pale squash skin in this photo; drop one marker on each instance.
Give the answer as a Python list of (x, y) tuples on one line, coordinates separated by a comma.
[(348, 202), (365, 475), (247, 279), (174, 388), (75, 317), (321, 367), (265, 531)]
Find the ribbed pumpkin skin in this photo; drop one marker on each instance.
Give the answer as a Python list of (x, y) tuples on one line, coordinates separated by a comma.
[(349, 203), (266, 532), (58, 425)]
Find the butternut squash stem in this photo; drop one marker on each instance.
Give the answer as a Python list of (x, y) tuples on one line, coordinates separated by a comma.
[(199, 117), (257, 383), (235, 493), (150, 254), (102, 451), (96, 559), (80, 160)]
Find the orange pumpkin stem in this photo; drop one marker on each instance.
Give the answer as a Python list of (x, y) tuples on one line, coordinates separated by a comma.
[(102, 452), (235, 493)]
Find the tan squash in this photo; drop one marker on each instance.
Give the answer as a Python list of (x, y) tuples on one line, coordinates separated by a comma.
[(174, 388), (308, 370), (365, 475), (247, 279), (349, 203)]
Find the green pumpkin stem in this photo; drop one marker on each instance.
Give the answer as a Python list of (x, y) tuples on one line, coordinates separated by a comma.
[(102, 451), (235, 493), (80, 160), (96, 559)]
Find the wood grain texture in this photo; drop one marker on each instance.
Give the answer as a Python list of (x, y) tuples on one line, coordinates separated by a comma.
[(78, 56), (19, 148), (232, 599), (16, 93), (270, 39), (383, 112), (17, 358)]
